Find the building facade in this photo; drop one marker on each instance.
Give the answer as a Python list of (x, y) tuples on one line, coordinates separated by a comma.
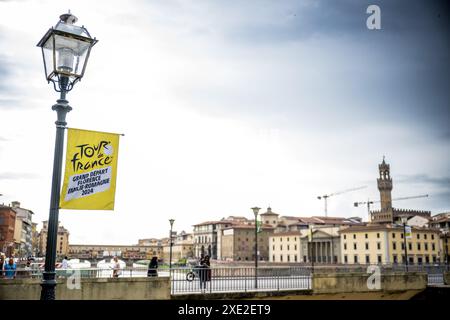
[(230, 238), (7, 226), (323, 246), (23, 235), (238, 242), (208, 236), (205, 239), (34, 239), (286, 247), (182, 248), (62, 242), (319, 244), (440, 221), (384, 244), (270, 218)]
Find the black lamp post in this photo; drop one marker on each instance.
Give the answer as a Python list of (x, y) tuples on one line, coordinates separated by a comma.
[(170, 244), (65, 51), (255, 212), (404, 220)]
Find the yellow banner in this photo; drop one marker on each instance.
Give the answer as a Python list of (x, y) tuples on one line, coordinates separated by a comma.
[(91, 170)]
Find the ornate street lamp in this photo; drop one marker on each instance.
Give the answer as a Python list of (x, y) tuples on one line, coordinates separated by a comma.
[(171, 221), (65, 51), (404, 221), (255, 212)]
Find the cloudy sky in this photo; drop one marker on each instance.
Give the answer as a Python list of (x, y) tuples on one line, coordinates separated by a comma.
[(226, 105)]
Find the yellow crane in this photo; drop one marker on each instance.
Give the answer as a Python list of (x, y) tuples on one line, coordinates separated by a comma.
[(326, 196)]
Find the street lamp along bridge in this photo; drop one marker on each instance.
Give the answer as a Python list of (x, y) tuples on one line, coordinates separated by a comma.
[(65, 51)]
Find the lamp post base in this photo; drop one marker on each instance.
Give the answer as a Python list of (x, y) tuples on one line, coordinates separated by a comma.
[(48, 286)]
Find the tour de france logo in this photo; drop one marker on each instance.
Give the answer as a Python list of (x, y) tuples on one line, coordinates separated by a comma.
[(92, 156), (92, 169)]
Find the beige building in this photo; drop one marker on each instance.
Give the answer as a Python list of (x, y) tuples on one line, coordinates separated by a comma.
[(208, 236), (441, 222), (62, 242), (384, 244), (183, 247), (34, 239), (286, 247), (238, 242), (218, 238), (22, 230), (270, 218), (298, 247)]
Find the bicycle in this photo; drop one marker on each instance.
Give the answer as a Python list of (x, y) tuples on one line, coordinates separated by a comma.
[(191, 275)]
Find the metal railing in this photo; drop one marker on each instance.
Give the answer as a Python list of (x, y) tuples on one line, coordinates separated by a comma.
[(23, 273), (239, 279), (235, 279)]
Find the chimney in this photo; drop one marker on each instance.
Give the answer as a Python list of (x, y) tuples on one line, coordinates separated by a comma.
[(15, 204)]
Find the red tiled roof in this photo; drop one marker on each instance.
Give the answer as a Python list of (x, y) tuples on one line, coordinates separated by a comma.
[(443, 219), (248, 226), (307, 219), (213, 222)]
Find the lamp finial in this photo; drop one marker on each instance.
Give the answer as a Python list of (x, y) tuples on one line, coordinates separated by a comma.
[(68, 18)]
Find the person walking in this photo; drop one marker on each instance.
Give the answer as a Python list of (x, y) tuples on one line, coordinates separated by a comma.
[(201, 273), (64, 266), (65, 263), (208, 268), (204, 272), (2, 263), (10, 269), (152, 266), (116, 267)]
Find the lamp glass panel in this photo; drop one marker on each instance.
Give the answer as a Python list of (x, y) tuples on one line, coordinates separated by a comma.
[(48, 59), (70, 54)]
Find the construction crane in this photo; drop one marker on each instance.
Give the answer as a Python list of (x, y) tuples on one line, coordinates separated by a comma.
[(368, 202), (326, 196)]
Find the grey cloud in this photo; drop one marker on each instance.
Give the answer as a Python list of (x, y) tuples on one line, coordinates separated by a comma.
[(399, 73), (445, 136), (443, 182), (439, 202), (300, 20), (4, 72), (11, 103)]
